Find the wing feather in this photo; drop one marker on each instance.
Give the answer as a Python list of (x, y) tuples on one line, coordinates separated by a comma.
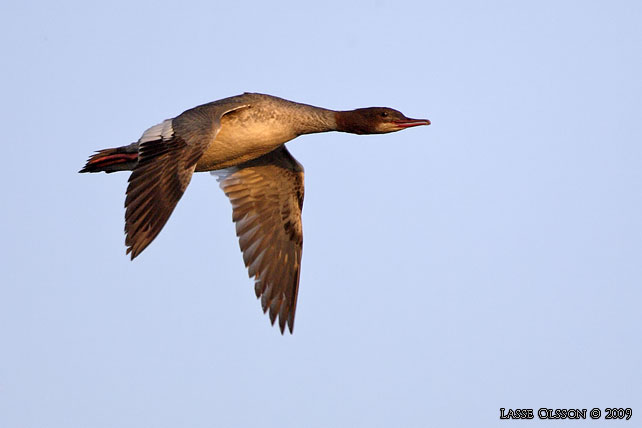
[(267, 198), (167, 156)]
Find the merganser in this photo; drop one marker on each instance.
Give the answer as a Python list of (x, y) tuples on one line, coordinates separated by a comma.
[(241, 140)]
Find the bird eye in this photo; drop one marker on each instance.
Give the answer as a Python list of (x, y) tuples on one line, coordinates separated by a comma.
[(384, 114)]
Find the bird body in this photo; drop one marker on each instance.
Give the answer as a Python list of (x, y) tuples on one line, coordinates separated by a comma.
[(240, 140), (261, 124)]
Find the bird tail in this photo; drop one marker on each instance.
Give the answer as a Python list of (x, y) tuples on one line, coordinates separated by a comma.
[(110, 160)]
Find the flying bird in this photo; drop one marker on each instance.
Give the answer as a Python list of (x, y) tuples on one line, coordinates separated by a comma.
[(241, 140)]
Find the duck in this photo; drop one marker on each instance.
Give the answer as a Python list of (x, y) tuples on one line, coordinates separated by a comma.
[(240, 140)]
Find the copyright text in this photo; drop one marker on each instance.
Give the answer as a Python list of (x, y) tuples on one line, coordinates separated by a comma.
[(547, 413)]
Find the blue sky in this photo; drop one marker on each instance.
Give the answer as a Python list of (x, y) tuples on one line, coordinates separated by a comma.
[(490, 260)]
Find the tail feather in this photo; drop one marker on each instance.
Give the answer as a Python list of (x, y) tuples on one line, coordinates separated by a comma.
[(110, 160)]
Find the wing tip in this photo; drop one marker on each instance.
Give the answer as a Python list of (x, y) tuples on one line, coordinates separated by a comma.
[(289, 323)]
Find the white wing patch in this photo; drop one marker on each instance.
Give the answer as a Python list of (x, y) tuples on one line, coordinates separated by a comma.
[(162, 131), (222, 174)]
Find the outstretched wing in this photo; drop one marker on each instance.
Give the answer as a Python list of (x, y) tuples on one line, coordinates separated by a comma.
[(267, 198), (167, 156)]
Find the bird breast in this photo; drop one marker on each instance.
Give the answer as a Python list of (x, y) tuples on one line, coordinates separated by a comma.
[(245, 135)]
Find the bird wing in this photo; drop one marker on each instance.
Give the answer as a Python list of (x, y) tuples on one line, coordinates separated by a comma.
[(167, 156), (267, 197)]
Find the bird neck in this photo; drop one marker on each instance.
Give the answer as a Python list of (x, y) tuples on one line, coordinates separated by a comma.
[(351, 121), (310, 119)]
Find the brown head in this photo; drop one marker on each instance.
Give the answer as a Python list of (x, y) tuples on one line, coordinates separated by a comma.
[(375, 120)]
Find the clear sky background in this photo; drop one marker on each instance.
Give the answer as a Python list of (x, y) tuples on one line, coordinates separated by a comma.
[(492, 259)]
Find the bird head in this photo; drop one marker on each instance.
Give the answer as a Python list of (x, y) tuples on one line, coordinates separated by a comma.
[(375, 120)]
